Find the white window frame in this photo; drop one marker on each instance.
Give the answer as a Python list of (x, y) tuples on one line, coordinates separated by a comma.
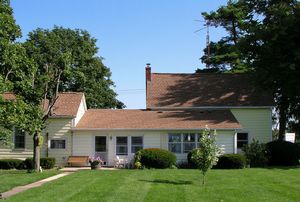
[(14, 139), (58, 140), (127, 144)]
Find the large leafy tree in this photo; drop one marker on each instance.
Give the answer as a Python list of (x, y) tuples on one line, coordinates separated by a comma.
[(85, 72), (263, 38), (17, 71)]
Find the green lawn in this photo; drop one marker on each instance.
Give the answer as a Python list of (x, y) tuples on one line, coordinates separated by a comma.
[(13, 178), (170, 185)]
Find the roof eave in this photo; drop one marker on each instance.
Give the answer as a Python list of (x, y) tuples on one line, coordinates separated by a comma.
[(148, 129)]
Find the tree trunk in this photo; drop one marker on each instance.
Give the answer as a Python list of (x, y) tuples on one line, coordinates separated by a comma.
[(282, 118), (36, 152), (203, 180)]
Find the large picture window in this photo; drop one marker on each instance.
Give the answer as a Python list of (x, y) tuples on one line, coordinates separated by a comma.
[(122, 146), (241, 140), (183, 142), (58, 144), (136, 143), (19, 139)]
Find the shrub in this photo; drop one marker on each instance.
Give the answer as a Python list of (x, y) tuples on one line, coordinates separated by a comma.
[(256, 154), (231, 161), (46, 163), (155, 158), (283, 153), (191, 162), (10, 164)]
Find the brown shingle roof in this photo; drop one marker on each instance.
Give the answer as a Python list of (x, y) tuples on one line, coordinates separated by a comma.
[(143, 119), (197, 90), (67, 103)]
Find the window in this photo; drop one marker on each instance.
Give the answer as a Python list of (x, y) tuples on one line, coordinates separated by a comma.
[(175, 143), (121, 146), (241, 139), (100, 143), (136, 143), (183, 142), (58, 144), (19, 139), (188, 142)]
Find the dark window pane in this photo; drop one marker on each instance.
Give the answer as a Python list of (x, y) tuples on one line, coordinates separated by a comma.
[(136, 140), (241, 144), (122, 140), (100, 144), (190, 137), (134, 149), (122, 150), (174, 137), (58, 144), (242, 136), (188, 147), (175, 147), (19, 139)]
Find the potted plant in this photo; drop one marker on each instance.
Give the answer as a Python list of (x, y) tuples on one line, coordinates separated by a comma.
[(95, 162)]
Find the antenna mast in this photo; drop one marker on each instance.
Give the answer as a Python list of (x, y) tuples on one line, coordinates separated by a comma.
[(207, 24)]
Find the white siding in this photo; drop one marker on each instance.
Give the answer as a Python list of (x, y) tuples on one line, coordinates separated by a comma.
[(84, 142), (59, 129), (257, 122), (81, 110)]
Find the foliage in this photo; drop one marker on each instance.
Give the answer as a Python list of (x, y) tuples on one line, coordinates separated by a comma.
[(46, 163), (283, 153), (256, 153), (231, 161), (191, 161), (155, 158), (74, 53), (5, 136), (207, 155), (10, 164)]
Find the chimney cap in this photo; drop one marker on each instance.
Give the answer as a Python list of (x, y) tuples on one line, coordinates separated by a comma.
[(148, 64)]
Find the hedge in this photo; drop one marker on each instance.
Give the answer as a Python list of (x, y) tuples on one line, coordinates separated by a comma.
[(191, 163), (46, 163), (155, 158), (11, 164), (231, 161), (283, 153)]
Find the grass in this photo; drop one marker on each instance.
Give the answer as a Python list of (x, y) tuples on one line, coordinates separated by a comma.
[(12, 178), (170, 185)]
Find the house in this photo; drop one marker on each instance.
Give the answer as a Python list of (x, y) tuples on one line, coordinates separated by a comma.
[(178, 108)]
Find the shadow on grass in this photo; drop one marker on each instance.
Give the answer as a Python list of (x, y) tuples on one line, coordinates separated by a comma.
[(178, 182)]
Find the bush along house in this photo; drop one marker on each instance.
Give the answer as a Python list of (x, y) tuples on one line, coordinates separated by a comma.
[(178, 108)]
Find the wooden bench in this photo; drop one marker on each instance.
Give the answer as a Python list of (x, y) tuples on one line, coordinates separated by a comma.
[(78, 160)]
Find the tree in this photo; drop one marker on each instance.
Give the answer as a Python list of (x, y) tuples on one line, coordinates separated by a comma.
[(207, 155), (266, 43), (15, 76), (85, 73)]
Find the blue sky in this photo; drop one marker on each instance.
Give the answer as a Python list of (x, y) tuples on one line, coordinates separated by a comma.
[(130, 34)]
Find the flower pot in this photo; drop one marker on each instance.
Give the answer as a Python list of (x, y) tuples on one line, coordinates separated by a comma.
[(95, 167)]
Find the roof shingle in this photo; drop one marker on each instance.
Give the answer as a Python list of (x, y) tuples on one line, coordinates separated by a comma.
[(143, 119), (204, 90)]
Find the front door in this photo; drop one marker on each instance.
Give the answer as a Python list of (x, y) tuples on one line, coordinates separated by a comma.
[(101, 147)]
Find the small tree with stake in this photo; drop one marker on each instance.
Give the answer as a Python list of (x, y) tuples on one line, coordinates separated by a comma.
[(207, 155)]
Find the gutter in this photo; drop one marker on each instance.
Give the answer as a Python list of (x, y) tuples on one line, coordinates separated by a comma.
[(148, 129)]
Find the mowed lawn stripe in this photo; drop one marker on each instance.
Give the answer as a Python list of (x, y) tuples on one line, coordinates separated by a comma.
[(171, 185)]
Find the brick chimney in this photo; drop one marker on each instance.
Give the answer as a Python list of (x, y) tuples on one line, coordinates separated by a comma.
[(148, 72)]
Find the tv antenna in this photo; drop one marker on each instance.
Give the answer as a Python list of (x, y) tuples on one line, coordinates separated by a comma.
[(206, 26)]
